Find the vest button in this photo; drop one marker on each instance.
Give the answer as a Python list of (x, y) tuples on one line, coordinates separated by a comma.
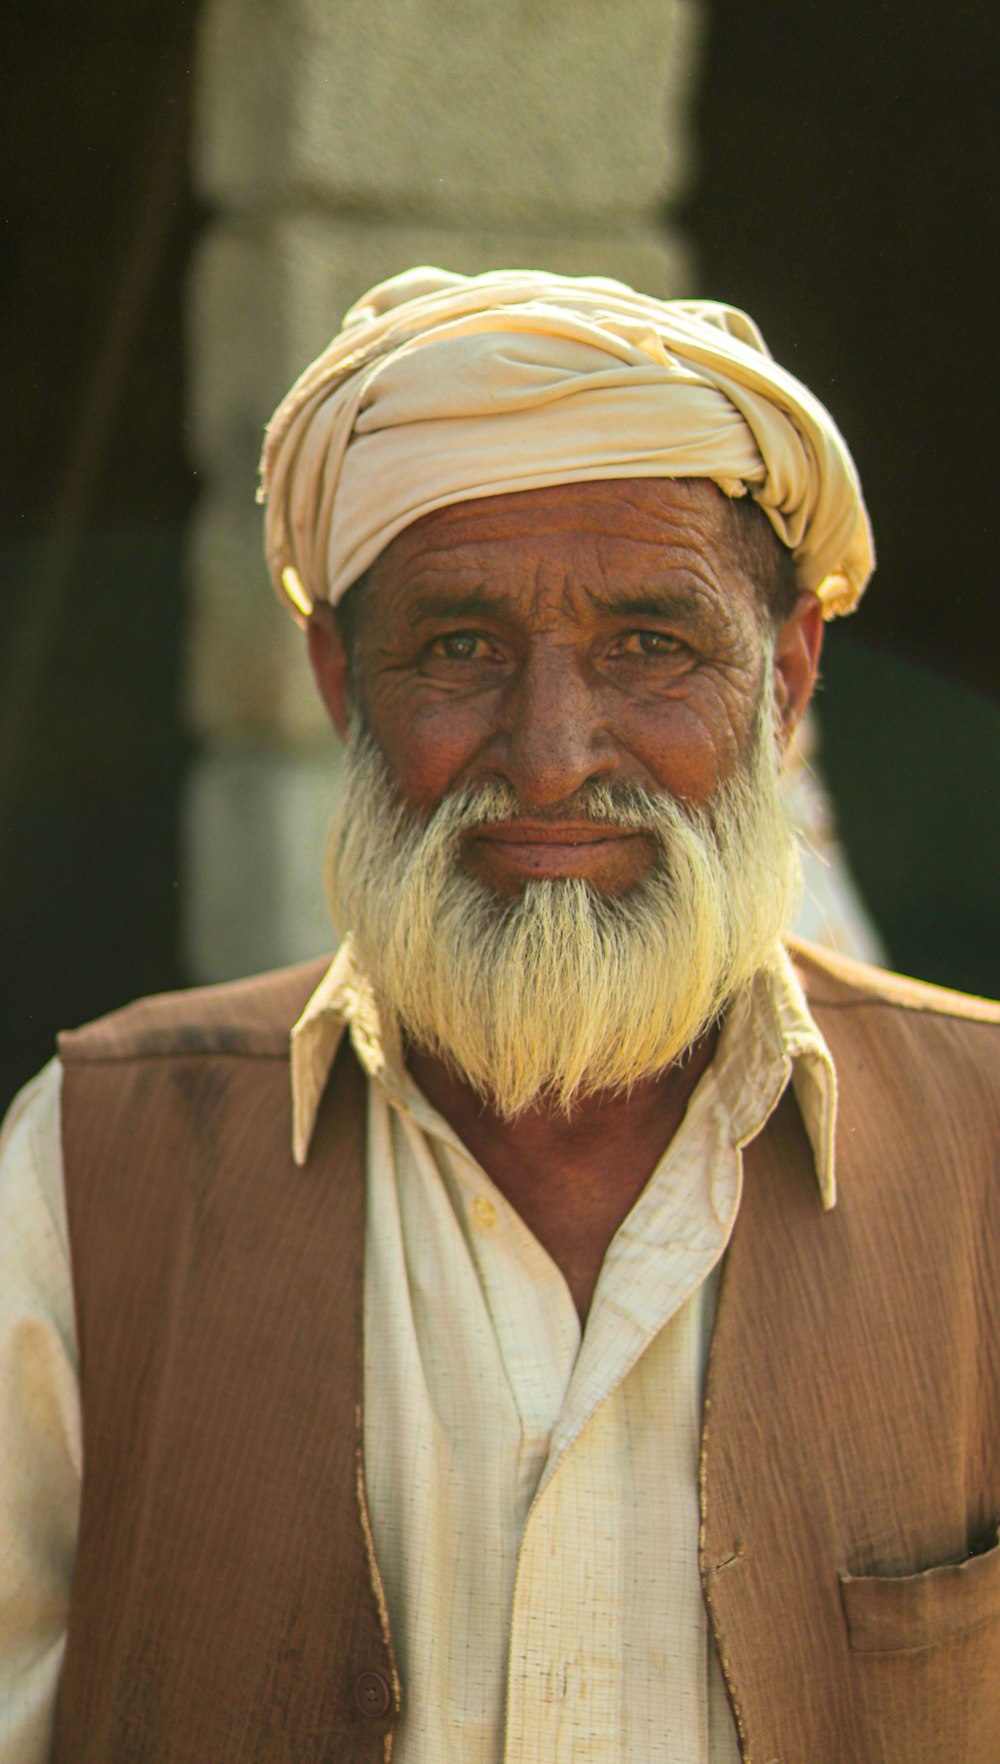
[(371, 1693)]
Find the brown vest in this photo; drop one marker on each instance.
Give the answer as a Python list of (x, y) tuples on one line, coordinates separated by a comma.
[(226, 1606)]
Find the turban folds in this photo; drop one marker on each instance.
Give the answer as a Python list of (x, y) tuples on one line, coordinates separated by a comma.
[(442, 387)]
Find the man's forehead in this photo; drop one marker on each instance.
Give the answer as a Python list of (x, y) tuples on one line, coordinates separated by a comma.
[(659, 548), (650, 518)]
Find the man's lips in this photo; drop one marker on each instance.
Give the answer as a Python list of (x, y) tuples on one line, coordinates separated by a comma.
[(538, 849), (556, 833)]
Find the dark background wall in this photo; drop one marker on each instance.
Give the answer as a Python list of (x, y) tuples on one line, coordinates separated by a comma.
[(845, 197), (94, 493)]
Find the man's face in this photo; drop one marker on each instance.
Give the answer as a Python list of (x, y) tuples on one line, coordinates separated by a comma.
[(561, 848), (595, 632)]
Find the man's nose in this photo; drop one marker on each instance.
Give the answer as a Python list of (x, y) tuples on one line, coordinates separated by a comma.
[(556, 735)]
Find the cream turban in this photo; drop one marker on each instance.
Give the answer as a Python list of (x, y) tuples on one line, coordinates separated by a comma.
[(443, 387)]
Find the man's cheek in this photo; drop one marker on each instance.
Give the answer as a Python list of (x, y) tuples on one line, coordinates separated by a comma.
[(433, 751)]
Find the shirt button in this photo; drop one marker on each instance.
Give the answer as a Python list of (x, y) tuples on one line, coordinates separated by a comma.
[(371, 1693), (485, 1211)]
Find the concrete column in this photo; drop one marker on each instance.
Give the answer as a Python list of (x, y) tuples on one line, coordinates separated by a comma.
[(338, 141)]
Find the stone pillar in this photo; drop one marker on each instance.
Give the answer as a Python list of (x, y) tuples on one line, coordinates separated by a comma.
[(336, 142)]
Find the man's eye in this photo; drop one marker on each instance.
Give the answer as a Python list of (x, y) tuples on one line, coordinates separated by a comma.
[(652, 643), (461, 646)]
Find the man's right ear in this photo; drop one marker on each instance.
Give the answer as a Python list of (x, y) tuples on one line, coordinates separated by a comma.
[(328, 660)]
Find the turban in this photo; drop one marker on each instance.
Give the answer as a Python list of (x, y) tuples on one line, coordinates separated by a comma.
[(443, 387)]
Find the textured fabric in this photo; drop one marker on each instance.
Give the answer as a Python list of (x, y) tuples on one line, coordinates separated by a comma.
[(219, 1294), (851, 1439), (443, 387), (851, 1443), (440, 1230)]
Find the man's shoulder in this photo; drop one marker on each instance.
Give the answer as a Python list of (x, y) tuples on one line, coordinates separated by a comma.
[(840, 982), (922, 1043), (251, 1017)]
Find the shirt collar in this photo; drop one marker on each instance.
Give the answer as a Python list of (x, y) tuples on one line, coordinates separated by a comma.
[(769, 1038)]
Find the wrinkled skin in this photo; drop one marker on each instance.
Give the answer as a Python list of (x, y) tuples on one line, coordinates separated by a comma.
[(584, 631)]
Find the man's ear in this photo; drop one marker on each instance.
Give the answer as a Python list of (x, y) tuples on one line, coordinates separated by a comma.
[(797, 646), (329, 664)]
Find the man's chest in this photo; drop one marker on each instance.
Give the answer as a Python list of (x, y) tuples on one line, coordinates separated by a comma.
[(534, 1487)]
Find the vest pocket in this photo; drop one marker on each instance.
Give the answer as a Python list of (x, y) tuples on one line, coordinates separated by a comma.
[(893, 1613)]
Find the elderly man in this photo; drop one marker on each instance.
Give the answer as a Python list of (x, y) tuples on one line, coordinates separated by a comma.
[(415, 1415)]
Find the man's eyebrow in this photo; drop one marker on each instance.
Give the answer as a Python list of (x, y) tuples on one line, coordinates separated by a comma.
[(440, 604), (657, 603), (677, 601)]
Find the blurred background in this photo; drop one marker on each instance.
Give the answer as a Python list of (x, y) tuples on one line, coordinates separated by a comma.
[(195, 192)]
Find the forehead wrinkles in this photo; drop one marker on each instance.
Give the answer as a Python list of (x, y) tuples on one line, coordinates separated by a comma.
[(531, 585), (643, 508), (551, 592), (539, 584)]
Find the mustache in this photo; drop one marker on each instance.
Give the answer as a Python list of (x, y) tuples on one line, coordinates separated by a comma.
[(631, 807)]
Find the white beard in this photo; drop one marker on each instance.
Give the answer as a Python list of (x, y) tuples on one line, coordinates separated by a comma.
[(562, 991)]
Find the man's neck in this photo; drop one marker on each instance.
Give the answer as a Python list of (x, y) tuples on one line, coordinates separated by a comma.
[(572, 1179)]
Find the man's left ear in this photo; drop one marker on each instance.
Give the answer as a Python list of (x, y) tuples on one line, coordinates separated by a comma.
[(797, 646)]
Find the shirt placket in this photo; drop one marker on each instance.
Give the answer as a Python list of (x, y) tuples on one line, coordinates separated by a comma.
[(607, 1633), (533, 1316), (572, 1693)]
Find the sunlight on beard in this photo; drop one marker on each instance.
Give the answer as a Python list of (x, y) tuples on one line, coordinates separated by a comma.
[(562, 991)]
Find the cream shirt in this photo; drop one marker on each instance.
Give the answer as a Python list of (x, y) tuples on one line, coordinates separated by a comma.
[(533, 1493)]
